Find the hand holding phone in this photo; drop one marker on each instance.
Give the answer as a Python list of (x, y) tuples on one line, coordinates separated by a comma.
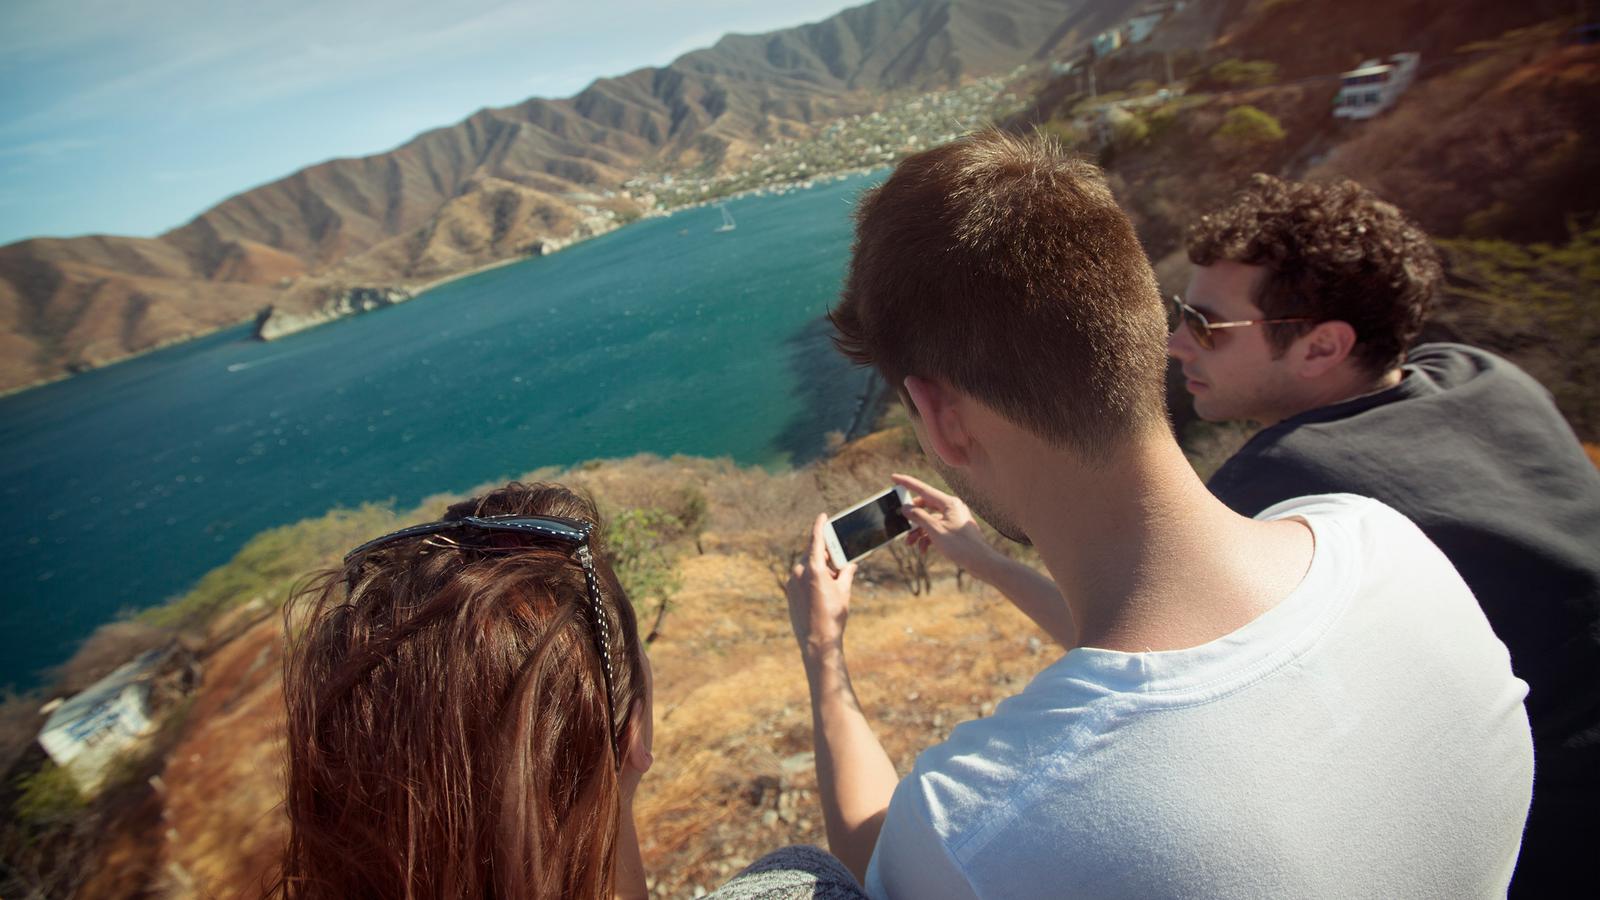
[(819, 597), (865, 527), (942, 520)]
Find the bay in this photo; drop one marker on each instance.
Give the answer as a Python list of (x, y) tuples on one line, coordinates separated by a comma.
[(122, 486)]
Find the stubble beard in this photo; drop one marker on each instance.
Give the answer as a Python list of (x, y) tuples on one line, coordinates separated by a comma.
[(981, 505)]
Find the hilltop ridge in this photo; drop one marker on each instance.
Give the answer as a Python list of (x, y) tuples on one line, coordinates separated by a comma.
[(501, 184)]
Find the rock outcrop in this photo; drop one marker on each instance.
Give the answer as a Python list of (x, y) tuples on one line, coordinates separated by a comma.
[(275, 323)]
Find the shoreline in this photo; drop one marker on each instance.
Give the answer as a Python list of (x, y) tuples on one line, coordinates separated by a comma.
[(662, 213), (419, 290), (157, 348)]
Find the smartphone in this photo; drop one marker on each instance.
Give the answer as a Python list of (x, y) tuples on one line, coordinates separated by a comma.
[(867, 526)]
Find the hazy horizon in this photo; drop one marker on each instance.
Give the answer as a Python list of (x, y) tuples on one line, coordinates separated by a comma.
[(123, 120)]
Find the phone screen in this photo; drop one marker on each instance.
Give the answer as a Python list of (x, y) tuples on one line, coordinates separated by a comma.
[(870, 526)]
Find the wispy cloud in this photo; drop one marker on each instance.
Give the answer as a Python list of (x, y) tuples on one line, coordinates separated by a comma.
[(130, 116), (46, 149), (222, 58)]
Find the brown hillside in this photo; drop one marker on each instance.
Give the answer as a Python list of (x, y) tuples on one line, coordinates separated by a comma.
[(733, 775), (1314, 37), (1504, 145), (498, 183)]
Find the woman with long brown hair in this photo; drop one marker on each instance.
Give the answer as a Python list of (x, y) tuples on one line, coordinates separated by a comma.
[(468, 711)]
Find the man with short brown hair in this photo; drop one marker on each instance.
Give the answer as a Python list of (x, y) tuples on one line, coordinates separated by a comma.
[(1304, 304), (1240, 711), (1003, 219)]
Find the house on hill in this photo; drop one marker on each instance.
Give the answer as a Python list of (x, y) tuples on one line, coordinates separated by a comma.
[(85, 733), (1374, 86), (1106, 42)]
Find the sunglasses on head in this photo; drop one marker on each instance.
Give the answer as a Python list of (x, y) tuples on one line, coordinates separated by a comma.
[(568, 532), (1201, 328)]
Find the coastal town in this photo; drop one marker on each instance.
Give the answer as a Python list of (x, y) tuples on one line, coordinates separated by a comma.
[(904, 125)]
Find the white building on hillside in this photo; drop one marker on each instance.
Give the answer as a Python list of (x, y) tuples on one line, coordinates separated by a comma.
[(1374, 87), (84, 734), (1107, 42)]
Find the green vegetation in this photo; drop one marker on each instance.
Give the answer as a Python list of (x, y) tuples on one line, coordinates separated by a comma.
[(1066, 132), (1163, 117), (691, 511), (1244, 73), (639, 540), (1086, 104), (1538, 304), (1247, 126), (1128, 128), (47, 796), (268, 566)]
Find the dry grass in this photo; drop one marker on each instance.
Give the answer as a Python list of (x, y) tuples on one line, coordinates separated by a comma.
[(733, 777)]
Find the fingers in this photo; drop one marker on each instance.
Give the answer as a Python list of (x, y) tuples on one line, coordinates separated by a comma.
[(847, 575), (921, 487), (797, 571), (923, 519), (819, 544)]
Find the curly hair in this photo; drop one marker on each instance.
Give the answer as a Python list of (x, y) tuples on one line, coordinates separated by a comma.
[(1332, 251)]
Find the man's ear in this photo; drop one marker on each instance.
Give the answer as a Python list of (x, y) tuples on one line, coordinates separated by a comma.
[(939, 412), (1326, 346)]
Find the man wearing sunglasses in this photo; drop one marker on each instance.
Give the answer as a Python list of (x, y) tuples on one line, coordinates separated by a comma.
[(1301, 314), (1306, 703)]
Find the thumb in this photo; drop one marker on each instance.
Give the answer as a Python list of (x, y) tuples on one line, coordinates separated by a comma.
[(798, 570), (847, 575)]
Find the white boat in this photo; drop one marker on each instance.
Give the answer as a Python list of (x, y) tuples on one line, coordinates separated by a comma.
[(727, 219)]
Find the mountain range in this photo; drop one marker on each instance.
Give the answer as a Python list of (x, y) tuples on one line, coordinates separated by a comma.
[(502, 183)]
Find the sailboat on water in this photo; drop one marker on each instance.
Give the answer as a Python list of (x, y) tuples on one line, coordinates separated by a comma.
[(727, 219)]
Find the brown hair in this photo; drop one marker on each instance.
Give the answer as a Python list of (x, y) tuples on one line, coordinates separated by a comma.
[(1332, 251), (1004, 266), (447, 722)]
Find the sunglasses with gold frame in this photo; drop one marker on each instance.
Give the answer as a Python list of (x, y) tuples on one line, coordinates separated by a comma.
[(1201, 328)]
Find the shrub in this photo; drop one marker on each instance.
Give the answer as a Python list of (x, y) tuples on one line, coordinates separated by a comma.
[(269, 565), (638, 544), (1244, 73), (1127, 128), (1247, 126), (1066, 132), (690, 511), (1539, 305), (47, 797), (1162, 118)]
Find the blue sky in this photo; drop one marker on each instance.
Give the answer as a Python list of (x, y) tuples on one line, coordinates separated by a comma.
[(131, 118)]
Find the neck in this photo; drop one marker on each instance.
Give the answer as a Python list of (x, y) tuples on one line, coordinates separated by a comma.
[(1337, 388), (1147, 558)]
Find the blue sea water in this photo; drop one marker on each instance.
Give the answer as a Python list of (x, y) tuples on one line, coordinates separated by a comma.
[(124, 485)]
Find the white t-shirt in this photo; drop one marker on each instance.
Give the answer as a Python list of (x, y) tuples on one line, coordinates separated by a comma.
[(1363, 738)]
